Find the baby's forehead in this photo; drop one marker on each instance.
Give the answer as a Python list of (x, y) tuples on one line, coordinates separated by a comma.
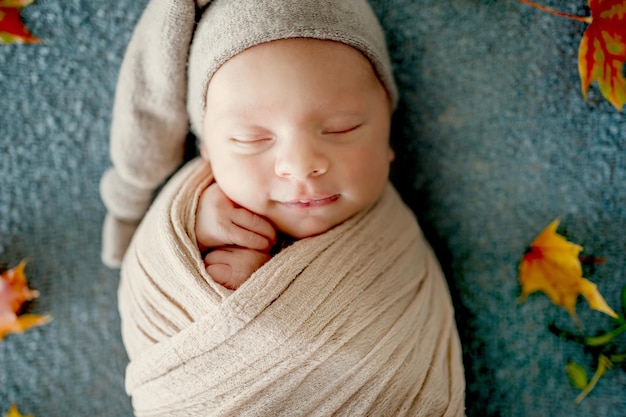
[(321, 76)]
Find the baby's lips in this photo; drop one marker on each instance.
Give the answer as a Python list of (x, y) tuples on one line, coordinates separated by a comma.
[(307, 203)]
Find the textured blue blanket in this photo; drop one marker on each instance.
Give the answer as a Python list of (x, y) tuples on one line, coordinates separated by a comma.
[(493, 141)]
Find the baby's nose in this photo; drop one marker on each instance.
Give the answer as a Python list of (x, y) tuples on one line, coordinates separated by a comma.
[(300, 162)]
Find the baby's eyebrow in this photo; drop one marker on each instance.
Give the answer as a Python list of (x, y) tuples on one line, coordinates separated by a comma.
[(240, 116), (243, 127), (346, 114)]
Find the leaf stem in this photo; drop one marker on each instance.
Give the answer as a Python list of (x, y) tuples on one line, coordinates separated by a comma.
[(585, 19), (605, 338), (618, 358), (603, 364)]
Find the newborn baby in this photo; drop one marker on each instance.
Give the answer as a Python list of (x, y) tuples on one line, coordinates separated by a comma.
[(280, 273)]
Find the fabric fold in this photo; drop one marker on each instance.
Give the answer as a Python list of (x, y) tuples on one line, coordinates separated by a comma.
[(356, 321)]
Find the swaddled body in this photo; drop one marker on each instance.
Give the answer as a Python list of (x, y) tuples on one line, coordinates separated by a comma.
[(354, 318), (356, 321)]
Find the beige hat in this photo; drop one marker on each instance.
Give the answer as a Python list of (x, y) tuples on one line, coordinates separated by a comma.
[(164, 76)]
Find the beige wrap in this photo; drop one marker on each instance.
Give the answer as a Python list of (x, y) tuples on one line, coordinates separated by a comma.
[(354, 322)]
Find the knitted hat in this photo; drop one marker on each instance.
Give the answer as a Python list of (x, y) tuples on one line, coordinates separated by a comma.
[(165, 73)]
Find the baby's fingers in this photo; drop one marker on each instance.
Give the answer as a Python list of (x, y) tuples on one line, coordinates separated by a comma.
[(232, 266), (223, 275), (252, 231)]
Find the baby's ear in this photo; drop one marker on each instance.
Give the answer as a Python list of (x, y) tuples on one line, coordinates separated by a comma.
[(392, 154)]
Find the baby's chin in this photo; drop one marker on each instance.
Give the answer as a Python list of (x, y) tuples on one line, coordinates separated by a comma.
[(313, 224), (302, 233), (306, 228)]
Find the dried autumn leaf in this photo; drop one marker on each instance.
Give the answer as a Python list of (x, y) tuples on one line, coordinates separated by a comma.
[(12, 30), (602, 50), (552, 266), (13, 412), (14, 292)]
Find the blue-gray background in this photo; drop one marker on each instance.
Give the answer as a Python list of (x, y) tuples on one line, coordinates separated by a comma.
[(493, 141)]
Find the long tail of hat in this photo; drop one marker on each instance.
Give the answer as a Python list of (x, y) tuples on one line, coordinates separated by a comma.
[(150, 120)]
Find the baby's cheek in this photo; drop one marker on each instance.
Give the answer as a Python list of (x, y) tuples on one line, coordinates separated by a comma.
[(239, 187)]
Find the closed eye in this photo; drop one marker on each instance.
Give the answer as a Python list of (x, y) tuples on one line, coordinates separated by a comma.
[(249, 141), (342, 130)]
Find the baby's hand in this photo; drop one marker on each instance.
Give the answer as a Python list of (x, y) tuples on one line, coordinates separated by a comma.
[(220, 222), (231, 266)]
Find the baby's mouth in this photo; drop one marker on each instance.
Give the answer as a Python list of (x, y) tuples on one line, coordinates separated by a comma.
[(305, 203)]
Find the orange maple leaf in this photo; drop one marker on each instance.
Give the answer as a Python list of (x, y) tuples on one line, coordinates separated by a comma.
[(552, 266), (14, 292), (13, 412), (602, 50), (12, 30)]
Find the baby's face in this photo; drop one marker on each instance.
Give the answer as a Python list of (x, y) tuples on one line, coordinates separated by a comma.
[(298, 131)]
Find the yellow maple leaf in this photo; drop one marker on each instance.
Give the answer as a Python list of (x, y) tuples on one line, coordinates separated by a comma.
[(552, 266), (14, 292), (13, 412)]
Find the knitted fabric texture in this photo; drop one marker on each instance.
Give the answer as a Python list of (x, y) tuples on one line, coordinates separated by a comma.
[(356, 321), (167, 67)]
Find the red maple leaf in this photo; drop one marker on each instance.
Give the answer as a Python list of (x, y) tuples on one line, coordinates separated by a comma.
[(602, 50), (12, 30)]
